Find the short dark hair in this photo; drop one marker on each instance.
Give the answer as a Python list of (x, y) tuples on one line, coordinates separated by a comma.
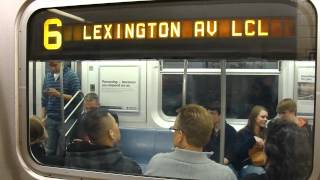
[(213, 108), (95, 123), (288, 151), (91, 96)]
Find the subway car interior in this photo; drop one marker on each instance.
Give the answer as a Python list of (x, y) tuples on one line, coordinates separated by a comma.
[(144, 61)]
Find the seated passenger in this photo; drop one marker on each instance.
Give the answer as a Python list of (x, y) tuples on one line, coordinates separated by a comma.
[(38, 135), (91, 102), (100, 153), (287, 109), (288, 153), (214, 142), (192, 130), (249, 138)]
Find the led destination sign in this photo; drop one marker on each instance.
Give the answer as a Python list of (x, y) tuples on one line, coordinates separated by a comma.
[(55, 32)]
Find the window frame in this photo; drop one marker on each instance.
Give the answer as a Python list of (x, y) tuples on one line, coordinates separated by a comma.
[(21, 131)]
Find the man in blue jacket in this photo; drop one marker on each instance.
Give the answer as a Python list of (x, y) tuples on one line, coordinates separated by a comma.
[(51, 101)]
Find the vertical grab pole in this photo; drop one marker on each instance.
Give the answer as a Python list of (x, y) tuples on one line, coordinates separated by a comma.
[(184, 83), (161, 65), (61, 91), (61, 138), (223, 64), (34, 87)]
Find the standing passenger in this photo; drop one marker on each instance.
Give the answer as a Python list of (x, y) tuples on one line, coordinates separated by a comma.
[(192, 130), (214, 142), (251, 136), (51, 103)]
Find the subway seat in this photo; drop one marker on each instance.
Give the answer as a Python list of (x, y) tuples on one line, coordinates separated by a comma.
[(142, 144)]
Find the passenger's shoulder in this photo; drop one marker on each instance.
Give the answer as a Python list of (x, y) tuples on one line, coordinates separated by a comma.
[(131, 166), (155, 163), (70, 73), (224, 172), (129, 160), (160, 156), (230, 128), (220, 166), (244, 130)]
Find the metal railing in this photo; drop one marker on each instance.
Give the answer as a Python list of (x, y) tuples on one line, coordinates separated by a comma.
[(78, 93), (73, 97)]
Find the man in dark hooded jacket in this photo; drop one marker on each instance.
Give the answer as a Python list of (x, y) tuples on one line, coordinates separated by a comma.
[(100, 152)]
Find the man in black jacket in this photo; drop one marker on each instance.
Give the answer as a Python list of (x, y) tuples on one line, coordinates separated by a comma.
[(214, 143), (100, 152)]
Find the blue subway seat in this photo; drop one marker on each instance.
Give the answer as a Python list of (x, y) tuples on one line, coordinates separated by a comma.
[(142, 144)]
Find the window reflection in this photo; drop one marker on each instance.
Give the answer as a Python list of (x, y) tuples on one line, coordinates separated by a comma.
[(243, 92), (171, 94)]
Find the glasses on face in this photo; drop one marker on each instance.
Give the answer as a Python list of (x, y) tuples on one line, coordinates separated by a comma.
[(173, 129)]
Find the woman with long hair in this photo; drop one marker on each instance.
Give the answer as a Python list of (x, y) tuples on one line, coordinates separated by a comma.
[(288, 153), (251, 136), (38, 135)]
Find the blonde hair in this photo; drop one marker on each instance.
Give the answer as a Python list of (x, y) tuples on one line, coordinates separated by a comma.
[(37, 131), (195, 122)]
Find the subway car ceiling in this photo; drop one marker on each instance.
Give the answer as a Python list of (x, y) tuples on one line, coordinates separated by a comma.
[(145, 30)]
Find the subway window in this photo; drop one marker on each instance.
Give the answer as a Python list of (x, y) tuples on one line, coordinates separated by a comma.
[(113, 81), (203, 86)]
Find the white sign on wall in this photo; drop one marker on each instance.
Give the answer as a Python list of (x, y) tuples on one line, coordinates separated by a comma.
[(119, 87), (305, 84)]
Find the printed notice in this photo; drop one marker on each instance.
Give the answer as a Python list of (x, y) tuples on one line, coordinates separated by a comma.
[(119, 87), (306, 82)]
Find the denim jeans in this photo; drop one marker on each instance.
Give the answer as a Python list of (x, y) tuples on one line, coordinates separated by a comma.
[(54, 130), (251, 169)]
